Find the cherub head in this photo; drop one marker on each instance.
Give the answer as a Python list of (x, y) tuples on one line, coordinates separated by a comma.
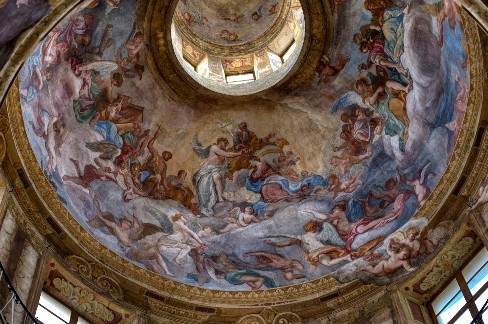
[(358, 38), (333, 179), (304, 174), (139, 37), (390, 184), (117, 79), (167, 155), (135, 168), (222, 143), (412, 233), (362, 85), (248, 210), (339, 208), (208, 229)]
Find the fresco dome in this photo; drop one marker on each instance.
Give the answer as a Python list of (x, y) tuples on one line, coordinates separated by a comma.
[(332, 172)]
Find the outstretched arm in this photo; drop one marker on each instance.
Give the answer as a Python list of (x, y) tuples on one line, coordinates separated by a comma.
[(150, 145), (226, 154)]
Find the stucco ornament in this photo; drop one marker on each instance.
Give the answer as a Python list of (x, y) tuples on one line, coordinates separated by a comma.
[(84, 299), (447, 264), (252, 319)]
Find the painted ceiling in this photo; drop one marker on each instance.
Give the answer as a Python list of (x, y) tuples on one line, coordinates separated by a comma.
[(277, 191), (227, 22)]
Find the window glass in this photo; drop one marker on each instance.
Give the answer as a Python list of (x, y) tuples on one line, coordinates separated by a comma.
[(475, 264), (480, 301), (452, 308), (82, 321), (465, 318), (53, 306), (478, 280), (46, 317), (444, 298)]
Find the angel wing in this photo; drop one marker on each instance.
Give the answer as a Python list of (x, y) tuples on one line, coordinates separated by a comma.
[(107, 150), (198, 148), (234, 213), (329, 236), (350, 98), (104, 67), (398, 236)]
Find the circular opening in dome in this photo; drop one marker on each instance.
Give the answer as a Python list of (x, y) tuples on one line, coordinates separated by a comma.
[(238, 48)]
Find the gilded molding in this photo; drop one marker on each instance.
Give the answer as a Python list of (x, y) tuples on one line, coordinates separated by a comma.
[(187, 315)]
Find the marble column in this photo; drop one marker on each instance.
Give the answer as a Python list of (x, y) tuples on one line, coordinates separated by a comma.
[(7, 235)]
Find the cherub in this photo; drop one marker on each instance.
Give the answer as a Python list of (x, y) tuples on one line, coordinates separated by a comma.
[(399, 255), (337, 186), (227, 35), (419, 183), (392, 189), (325, 71), (343, 164), (206, 231), (482, 197), (234, 17), (273, 9), (292, 269), (411, 239), (243, 219), (451, 12)]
